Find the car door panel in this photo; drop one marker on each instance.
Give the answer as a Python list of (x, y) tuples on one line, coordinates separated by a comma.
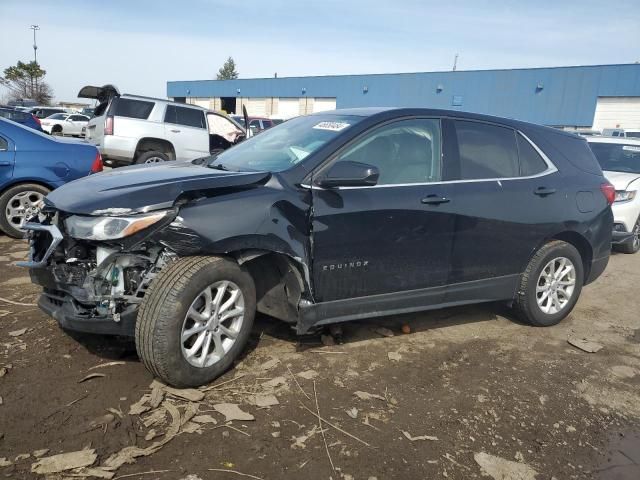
[(499, 222), (384, 239), (370, 241), (189, 142), (7, 158)]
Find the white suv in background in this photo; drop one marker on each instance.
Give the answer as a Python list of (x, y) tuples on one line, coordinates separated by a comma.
[(619, 159), (134, 129)]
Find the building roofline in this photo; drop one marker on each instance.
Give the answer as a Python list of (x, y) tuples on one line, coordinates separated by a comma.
[(411, 73)]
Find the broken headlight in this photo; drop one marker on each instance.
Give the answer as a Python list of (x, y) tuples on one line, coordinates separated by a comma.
[(110, 228)]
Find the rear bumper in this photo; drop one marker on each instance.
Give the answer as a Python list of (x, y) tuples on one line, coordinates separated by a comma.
[(598, 266), (62, 309)]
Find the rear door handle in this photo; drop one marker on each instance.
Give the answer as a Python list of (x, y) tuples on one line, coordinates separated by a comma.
[(434, 200), (175, 131), (544, 191), (5, 163)]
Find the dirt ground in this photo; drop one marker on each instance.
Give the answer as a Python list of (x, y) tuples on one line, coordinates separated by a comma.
[(467, 393)]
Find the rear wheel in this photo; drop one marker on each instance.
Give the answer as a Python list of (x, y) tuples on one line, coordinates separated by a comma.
[(18, 204), (634, 244), (551, 285), (152, 157), (56, 130), (195, 320)]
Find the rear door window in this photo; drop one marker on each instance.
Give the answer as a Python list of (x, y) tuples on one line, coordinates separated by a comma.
[(189, 117), (4, 145), (126, 107), (486, 151)]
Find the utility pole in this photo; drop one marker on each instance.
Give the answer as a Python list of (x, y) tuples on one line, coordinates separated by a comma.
[(35, 52), (455, 62)]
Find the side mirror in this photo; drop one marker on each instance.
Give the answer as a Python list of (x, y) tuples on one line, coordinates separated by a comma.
[(350, 174)]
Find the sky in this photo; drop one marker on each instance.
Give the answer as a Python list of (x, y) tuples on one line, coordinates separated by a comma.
[(139, 45)]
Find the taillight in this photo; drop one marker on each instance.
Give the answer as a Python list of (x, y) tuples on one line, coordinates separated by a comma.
[(108, 126), (97, 165), (609, 192), (36, 119)]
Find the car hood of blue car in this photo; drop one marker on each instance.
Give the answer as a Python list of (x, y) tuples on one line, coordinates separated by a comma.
[(143, 188)]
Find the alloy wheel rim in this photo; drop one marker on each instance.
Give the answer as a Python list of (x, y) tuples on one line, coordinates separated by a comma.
[(154, 160), (556, 285), (21, 206), (212, 324)]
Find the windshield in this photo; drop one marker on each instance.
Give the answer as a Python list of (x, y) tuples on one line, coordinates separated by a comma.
[(617, 157), (281, 147), (57, 116)]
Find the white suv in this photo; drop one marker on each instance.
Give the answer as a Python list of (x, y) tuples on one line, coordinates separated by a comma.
[(134, 129), (620, 161)]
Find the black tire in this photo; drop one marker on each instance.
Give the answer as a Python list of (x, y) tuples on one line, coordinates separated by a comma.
[(526, 302), (152, 157), (164, 309), (6, 225), (634, 245), (56, 130)]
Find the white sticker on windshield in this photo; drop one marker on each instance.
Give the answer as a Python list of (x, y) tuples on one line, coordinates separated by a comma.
[(631, 148), (333, 126)]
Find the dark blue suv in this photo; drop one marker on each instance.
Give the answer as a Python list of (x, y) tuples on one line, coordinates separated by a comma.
[(326, 218)]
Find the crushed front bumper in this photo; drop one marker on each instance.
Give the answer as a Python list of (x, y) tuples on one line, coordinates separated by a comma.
[(69, 294), (69, 317)]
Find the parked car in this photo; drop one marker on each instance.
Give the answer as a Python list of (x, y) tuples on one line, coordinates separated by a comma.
[(23, 118), (31, 165), (620, 160), (330, 217), (133, 129), (621, 132), (88, 112), (44, 112), (257, 124), (65, 124)]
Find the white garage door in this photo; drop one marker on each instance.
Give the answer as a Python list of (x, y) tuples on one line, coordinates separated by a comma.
[(617, 112), (323, 104), (288, 108), (256, 107)]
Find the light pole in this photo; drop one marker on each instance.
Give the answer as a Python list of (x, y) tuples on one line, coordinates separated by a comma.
[(35, 51)]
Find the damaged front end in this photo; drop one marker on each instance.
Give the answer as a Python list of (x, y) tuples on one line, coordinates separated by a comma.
[(91, 284)]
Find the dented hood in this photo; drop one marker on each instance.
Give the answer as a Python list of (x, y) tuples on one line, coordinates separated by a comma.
[(143, 188)]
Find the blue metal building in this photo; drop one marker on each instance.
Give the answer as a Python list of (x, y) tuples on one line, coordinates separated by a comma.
[(583, 96)]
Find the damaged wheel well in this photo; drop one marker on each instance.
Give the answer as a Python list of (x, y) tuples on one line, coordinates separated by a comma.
[(279, 279), (155, 145)]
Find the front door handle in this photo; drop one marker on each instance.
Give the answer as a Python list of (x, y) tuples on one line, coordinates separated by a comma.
[(544, 191), (434, 200), (175, 131)]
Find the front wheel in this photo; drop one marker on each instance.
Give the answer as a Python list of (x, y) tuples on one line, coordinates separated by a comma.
[(551, 284), (195, 320)]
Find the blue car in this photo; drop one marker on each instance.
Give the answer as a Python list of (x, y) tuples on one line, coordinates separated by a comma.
[(23, 118), (31, 165)]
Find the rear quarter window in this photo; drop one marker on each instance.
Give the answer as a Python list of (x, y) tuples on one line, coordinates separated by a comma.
[(126, 107), (577, 151)]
